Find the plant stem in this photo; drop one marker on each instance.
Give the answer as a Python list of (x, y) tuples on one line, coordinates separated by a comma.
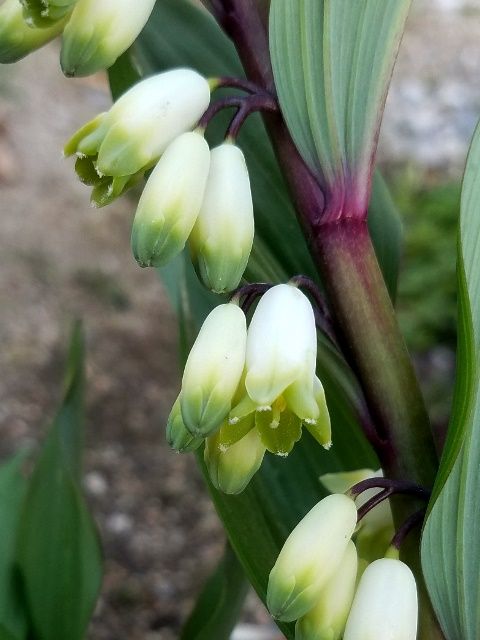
[(366, 321)]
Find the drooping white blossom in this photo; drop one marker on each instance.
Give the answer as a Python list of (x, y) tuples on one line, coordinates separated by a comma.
[(99, 31), (311, 555), (222, 238), (171, 201), (116, 148), (385, 606), (17, 39), (213, 370)]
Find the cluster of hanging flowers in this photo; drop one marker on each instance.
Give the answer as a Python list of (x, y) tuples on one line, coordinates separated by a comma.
[(95, 32), (321, 581), (246, 392), (193, 195)]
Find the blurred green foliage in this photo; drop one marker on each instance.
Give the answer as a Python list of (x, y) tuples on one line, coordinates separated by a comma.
[(427, 287)]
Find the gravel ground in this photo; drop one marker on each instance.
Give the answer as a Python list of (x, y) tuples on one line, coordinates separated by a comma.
[(60, 259)]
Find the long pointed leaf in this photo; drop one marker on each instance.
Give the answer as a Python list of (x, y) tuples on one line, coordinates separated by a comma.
[(58, 548), (450, 550)]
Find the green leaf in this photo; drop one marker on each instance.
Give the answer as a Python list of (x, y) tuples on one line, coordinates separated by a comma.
[(332, 61), (58, 549), (220, 602), (13, 487), (6, 635), (450, 551)]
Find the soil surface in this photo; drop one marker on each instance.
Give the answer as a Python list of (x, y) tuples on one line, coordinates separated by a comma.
[(61, 259)]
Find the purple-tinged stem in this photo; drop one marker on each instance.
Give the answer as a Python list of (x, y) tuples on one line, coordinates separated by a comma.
[(410, 523), (217, 106), (258, 102), (373, 502), (397, 486), (238, 83)]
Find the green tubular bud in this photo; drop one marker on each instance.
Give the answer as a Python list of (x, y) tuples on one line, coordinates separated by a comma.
[(99, 31), (213, 370), (232, 467), (327, 619), (311, 555), (171, 200), (385, 604), (222, 238), (17, 39), (178, 437), (45, 13)]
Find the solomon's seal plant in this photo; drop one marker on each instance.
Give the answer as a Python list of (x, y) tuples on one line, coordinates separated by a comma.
[(299, 347)]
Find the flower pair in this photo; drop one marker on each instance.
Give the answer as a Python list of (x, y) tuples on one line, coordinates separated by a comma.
[(248, 392), (314, 581), (95, 32), (201, 197)]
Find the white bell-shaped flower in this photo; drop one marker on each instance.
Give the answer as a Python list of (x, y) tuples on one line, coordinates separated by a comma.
[(311, 555), (385, 606), (99, 31), (327, 619), (17, 39), (222, 238), (213, 370), (171, 200), (116, 148), (280, 382), (45, 13)]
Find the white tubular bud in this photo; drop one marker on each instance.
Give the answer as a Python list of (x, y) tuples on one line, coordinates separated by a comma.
[(326, 621), (222, 238), (17, 39), (312, 553), (385, 605), (213, 370), (99, 31), (171, 200)]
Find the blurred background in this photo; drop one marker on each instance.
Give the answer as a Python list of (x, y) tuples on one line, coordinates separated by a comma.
[(60, 259)]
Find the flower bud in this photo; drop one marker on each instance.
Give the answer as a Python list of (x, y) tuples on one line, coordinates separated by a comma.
[(280, 370), (213, 370), (171, 200), (326, 621), (385, 605), (45, 13), (116, 147), (376, 527), (99, 31), (17, 39), (231, 467), (309, 558), (222, 238), (178, 436)]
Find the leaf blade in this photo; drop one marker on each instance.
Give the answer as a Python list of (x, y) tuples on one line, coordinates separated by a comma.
[(450, 557)]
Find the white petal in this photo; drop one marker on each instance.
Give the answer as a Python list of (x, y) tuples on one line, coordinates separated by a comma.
[(281, 345), (171, 201), (310, 556), (214, 369), (222, 239), (385, 606)]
